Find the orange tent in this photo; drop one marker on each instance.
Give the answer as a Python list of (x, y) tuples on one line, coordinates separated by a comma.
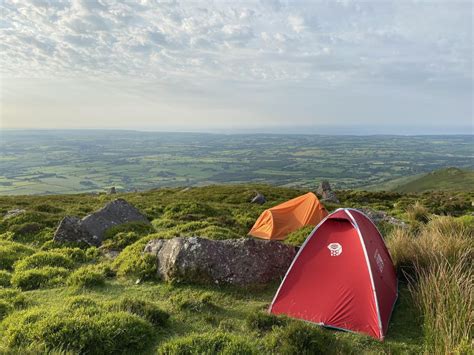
[(277, 222)]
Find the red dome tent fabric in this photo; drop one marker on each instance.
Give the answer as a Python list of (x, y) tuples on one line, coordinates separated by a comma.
[(342, 277)]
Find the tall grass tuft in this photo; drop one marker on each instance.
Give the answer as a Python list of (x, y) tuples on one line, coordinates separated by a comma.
[(437, 263), (417, 212), (444, 293)]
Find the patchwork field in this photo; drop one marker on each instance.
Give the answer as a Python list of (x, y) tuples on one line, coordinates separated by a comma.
[(57, 298), (52, 162)]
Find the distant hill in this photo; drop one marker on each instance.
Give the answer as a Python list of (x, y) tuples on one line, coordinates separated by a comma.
[(449, 179)]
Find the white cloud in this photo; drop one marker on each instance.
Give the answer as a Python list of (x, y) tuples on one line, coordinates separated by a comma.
[(211, 46)]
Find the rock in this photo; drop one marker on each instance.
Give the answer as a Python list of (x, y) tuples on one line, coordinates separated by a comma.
[(381, 216), (327, 194), (13, 213), (70, 229), (259, 199), (243, 261), (91, 229), (111, 191)]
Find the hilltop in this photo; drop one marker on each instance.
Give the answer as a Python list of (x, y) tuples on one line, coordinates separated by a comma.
[(449, 179), (82, 299)]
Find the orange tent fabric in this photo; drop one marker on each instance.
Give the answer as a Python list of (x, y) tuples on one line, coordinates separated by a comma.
[(277, 222)]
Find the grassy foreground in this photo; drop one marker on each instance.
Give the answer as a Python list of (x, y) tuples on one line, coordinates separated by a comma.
[(73, 299)]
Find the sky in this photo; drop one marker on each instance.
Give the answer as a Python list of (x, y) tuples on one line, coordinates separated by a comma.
[(286, 66)]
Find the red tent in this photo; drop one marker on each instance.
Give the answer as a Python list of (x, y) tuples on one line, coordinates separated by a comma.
[(342, 277)]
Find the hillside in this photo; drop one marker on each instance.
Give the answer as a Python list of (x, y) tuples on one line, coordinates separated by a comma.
[(449, 179), (74, 298)]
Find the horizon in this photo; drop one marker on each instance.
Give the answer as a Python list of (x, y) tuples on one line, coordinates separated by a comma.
[(310, 131), (391, 67)]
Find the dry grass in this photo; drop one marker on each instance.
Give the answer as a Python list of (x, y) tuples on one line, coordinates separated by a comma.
[(417, 212), (437, 262)]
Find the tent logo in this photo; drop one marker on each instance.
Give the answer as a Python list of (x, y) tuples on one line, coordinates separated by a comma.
[(335, 249), (379, 260)]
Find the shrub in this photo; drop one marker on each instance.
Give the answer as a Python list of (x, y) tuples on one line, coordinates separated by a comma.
[(417, 213), (139, 228), (78, 331), (39, 278), (133, 262), (5, 308), (93, 253), (301, 338), (163, 223), (5, 278), (13, 297), (202, 303), (45, 258), (264, 321), (141, 308), (217, 233), (298, 237), (188, 211), (86, 277), (10, 252), (77, 302), (211, 343), (121, 240)]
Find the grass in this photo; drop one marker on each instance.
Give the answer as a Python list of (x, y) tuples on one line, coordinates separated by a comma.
[(449, 179), (51, 291)]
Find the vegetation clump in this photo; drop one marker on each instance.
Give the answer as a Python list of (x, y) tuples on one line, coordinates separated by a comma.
[(86, 277), (142, 308), (5, 278), (212, 343), (132, 262), (39, 278), (77, 330), (45, 258), (10, 252)]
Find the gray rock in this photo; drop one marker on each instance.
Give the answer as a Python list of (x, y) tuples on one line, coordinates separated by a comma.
[(91, 229), (243, 261), (259, 199), (111, 191), (381, 216), (13, 213), (112, 214), (70, 229), (327, 194)]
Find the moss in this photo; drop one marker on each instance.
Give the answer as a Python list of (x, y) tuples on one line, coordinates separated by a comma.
[(39, 278), (264, 322), (142, 308), (77, 331), (10, 252), (120, 240), (132, 262), (139, 228), (45, 258), (210, 343), (298, 237), (86, 277), (5, 278), (300, 338)]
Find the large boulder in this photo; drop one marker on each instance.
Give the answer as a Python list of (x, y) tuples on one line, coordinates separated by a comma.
[(91, 229), (243, 261), (327, 194)]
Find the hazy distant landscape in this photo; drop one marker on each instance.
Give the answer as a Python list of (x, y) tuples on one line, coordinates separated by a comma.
[(42, 162)]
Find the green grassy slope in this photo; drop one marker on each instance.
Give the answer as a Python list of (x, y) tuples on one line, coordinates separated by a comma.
[(450, 179), (101, 308)]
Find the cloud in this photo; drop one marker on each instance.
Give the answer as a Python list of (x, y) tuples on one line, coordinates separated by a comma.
[(211, 46)]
